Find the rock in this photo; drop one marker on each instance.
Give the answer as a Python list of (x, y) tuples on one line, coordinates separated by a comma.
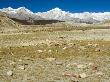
[(22, 67), (12, 63), (57, 78), (82, 47), (91, 64), (103, 45), (56, 50), (83, 75), (64, 48), (10, 73), (70, 44), (59, 63), (97, 49), (74, 79), (70, 65), (20, 60), (75, 75), (57, 44), (47, 40), (89, 44), (40, 51), (62, 37), (45, 50), (50, 59), (49, 51), (81, 66), (94, 67), (99, 73), (95, 45), (69, 74)]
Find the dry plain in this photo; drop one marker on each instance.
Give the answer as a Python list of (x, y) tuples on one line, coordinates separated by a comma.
[(55, 54)]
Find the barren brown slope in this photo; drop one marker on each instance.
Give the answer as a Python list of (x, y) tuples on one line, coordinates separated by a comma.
[(7, 24)]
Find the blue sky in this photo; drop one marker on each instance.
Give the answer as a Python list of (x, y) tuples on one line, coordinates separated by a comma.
[(67, 5)]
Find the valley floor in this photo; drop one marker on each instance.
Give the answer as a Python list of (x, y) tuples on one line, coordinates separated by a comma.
[(32, 55)]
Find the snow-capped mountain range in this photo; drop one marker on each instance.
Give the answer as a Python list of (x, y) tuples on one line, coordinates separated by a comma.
[(23, 13)]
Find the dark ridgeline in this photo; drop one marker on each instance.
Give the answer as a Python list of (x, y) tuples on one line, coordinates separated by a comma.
[(36, 22)]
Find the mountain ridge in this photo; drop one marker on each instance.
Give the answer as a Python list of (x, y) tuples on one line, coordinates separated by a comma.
[(23, 13)]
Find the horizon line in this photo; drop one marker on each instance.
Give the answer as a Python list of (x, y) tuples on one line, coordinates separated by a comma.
[(52, 9)]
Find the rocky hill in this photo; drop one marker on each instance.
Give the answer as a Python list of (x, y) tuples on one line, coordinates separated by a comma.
[(7, 24)]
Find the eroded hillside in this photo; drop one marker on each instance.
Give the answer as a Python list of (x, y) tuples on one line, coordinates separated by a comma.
[(6, 24)]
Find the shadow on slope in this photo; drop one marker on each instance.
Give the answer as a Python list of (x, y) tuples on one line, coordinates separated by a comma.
[(36, 22)]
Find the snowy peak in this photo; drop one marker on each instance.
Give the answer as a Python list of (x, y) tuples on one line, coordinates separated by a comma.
[(56, 14), (56, 10), (20, 9), (23, 10), (7, 9), (23, 13)]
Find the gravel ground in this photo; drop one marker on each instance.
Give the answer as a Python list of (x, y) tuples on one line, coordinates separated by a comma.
[(55, 57), (79, 69)]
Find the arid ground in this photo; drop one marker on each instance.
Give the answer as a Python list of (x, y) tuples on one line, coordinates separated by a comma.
[(55, 54)]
